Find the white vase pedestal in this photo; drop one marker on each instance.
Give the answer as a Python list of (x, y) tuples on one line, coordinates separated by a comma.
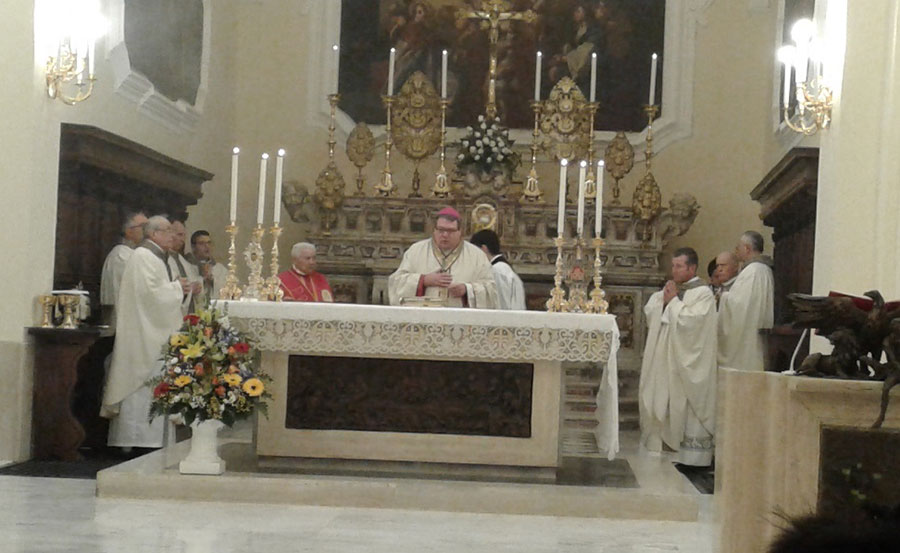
[(204, 455)]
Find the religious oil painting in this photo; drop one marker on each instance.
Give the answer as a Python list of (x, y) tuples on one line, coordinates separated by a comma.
[(623, 34)]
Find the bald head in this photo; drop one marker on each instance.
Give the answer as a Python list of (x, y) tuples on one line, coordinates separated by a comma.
[(726, 268)]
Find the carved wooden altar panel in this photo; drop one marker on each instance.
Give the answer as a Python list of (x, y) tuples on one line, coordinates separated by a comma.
[(409, 395), (787, 196), (102, 177)]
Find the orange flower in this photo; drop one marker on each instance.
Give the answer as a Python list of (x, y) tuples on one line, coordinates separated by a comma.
[(207, 332), (198, 369), (220, 391), (232, 369), (215, 380)]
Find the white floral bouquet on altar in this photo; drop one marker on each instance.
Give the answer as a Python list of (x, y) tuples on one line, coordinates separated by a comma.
[(486, 147), (209, 373)]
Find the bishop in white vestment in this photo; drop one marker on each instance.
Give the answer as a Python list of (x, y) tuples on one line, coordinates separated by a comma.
[(678, 373), (445, 266), (746, 310), (149, 311), (114, 265)]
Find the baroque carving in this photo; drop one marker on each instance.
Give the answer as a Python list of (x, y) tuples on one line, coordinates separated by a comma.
[(416, 122), (360, 151), (619, 160), (565, 122), (329, 194)]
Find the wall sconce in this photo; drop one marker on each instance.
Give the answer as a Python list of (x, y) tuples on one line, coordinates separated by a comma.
[(76, 26), (813, 108)]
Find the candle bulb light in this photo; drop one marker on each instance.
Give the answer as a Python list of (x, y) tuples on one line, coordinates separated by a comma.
[(279, 172), (337, 64), (444, 75), (594, 77), (537, 78), (598, 202), (390, 83), (582, 177), (561, 211), (261, 200), (234, 184), (652, 100)]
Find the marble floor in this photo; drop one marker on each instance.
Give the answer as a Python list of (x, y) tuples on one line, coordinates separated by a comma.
[(55, 515)]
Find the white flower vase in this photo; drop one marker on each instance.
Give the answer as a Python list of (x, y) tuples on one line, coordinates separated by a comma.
[(204, 455)]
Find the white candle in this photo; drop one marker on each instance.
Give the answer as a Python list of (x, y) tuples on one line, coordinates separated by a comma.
[(234, 183), (390, 87), (91, 53), (561, 211), (598, 202), (444, 74), (537, 78), (652, 100), (279, 171), (593, 76), (787, 84), (336, 68), (261, 201), (582, 174)]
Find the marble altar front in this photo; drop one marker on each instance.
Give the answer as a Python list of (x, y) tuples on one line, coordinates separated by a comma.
[(286, 331)]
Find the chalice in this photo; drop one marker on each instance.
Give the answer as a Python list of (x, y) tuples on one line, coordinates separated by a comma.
[(47, 303)]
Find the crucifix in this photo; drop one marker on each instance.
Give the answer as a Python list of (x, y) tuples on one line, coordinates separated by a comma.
[(491, 14)]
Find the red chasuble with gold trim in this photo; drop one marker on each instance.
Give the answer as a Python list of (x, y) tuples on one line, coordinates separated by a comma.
[(300, 287)]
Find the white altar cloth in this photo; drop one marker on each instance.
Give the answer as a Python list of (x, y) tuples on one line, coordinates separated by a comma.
[(513, 336)]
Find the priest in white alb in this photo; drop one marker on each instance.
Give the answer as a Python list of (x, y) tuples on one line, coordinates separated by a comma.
[(114, 265), (149, 311), (746, 311), (445, 267), (677, 394)]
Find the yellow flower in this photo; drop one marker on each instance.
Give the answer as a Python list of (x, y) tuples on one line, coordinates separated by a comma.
[(176, 340), (183, 381), (253, 387), (194, 350), (232, 379)]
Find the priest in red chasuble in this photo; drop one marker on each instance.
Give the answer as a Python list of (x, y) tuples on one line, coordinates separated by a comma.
[(301, 282), (447, 267)]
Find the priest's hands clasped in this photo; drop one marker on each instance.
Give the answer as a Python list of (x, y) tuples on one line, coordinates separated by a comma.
[(438, 278)]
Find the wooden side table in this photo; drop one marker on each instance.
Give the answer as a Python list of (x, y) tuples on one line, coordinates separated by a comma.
[(56, 433)]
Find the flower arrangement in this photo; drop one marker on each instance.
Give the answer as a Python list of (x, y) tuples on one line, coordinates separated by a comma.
[(487, 145), (209, 373)]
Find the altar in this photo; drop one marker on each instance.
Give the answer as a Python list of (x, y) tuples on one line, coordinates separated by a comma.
[(437, 385)]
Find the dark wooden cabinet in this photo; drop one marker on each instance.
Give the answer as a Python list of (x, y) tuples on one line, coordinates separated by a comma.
[(787, 196)]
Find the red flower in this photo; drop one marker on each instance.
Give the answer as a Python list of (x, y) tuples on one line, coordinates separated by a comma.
[(161, 389), (241, 347), (192, 320)]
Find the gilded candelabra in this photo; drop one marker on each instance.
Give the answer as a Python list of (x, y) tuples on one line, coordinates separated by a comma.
[(813, 110), (272, 290), (577, 302), (231, 290), (253, 255), (441, 187), (532, 190), (386, 186), (597, 303), (647, 200), (590, 186), (557, 302)]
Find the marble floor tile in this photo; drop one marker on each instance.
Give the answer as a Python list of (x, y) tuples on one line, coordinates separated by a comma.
[(42, 515)]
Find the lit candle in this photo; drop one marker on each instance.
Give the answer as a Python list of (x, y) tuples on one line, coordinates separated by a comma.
[(652, 100), (537, 78), (390, 87), (336, 68), (234, 183), (279, 171), (582, 174), (261, 201), (91, 51), (444, 74), (598, 202), (593, 76), (561, 211)]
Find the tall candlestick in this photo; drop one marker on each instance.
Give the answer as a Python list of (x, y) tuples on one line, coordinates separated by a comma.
[(593, 76), (652, 100), (234, 183), (261, 200), (537, 78), (582, 174), (598, 202), (561, 212), (390, 84), (337, 65), (444, 75), (279, 171)]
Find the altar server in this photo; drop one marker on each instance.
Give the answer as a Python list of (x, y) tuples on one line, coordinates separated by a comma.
[(445, 266), (746, 311), (678, 372), (302, 282), (114, 265), (149, 311), (510, 290)]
